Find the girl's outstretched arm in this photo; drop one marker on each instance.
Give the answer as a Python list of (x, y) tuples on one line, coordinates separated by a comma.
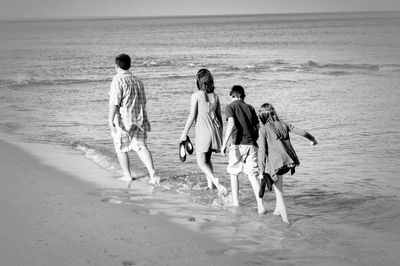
[(302, 132)]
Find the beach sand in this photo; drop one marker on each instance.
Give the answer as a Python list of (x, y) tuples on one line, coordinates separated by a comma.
[(53, 213)]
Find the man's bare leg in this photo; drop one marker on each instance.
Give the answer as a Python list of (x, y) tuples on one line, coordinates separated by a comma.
[(123, 159), (145, 156)]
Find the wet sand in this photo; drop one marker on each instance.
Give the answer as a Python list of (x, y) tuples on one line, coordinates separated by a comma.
[(59, 208), (54, 217)]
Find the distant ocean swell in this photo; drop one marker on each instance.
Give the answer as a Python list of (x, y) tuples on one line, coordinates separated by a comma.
[(267, 66), (274, 65), (313, 67), (27, 80)]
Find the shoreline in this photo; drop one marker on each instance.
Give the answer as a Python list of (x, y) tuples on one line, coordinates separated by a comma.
[(51, 217), (60, 208)]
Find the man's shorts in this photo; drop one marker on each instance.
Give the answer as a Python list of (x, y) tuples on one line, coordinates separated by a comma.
[(243, 158), (133, 140)]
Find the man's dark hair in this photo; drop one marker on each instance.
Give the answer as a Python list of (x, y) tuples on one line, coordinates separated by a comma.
[(123, 61), (238, 91)]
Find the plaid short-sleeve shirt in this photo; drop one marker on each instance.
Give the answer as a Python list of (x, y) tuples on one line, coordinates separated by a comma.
[(127, 92)]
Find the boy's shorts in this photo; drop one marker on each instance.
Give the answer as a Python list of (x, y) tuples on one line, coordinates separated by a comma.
[(133, 140), (243, 158)]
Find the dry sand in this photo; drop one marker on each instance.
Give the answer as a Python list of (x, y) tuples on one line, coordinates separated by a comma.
[(49, 217)]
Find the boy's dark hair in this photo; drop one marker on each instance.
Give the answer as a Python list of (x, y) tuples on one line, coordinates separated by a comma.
[(238, 91), (123, 61), (205, 81)]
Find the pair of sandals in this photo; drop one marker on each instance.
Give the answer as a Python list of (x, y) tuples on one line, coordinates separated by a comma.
[(266, 181), (185, 146)]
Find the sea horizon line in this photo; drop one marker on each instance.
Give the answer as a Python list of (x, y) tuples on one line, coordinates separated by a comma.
[(124, 17)]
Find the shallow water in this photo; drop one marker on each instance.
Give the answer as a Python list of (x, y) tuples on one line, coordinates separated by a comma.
[(335, 75)]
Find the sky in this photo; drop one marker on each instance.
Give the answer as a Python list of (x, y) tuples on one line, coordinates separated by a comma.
[(14, 9)]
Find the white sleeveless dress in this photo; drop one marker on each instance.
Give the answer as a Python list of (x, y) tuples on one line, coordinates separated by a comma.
[(208, 127)]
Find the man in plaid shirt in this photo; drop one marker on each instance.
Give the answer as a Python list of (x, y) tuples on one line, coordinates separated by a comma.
[(128, 119)]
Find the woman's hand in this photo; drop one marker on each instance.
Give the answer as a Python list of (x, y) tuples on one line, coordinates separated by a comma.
[(183, 138), (260, 176), (223, 149), (113, 131)]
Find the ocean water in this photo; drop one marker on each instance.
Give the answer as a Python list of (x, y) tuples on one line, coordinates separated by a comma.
[(335, 75)]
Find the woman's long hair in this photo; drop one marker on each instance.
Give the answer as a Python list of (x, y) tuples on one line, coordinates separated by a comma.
[(205, 81), (267, 114)]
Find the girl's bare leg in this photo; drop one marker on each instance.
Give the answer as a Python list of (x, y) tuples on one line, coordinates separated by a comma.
[(205, 165), (280, 208), (255, 184)]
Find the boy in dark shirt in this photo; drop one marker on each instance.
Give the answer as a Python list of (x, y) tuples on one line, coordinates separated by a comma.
[(243, 128)]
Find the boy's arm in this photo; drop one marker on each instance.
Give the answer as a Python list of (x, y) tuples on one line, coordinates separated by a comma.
[(228, 133), (218, 112), (255, 122), (257, 130)]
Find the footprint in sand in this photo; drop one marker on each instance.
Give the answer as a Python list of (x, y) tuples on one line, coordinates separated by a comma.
[(153, 212), (190, 218), (112, 200), (128, 262), (220, 252)]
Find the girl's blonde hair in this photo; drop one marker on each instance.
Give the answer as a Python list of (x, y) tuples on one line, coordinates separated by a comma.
[(267, 114)]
